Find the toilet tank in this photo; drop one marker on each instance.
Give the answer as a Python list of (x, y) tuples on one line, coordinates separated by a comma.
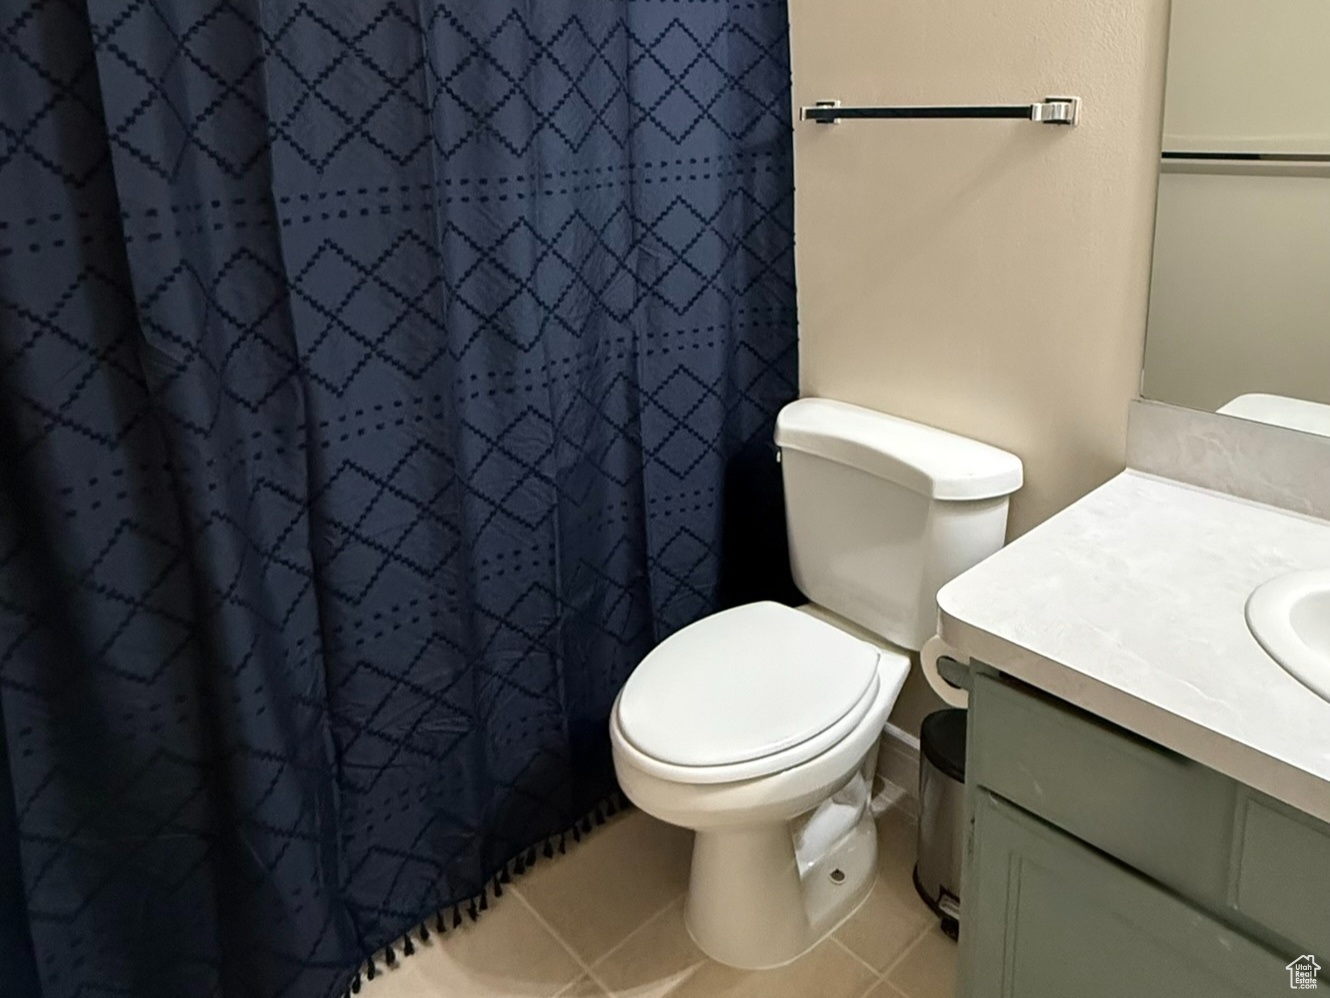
[(882, 512)]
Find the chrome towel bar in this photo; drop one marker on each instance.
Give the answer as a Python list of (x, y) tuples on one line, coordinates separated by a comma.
[(1050, 111), (1250, 157)]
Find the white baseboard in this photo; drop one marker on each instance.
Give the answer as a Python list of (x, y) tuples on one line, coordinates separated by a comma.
[(901, 735), (898, 761)]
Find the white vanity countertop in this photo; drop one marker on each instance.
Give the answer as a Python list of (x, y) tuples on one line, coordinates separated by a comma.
[(1129, 604)]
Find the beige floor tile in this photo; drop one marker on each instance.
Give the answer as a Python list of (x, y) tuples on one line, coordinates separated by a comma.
[(884, 990), (610, 883), (505, 954), (887, 794), (893, 917), (928, 970), (584, 987), (660, 959)]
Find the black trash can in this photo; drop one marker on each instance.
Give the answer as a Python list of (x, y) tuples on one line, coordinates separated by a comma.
[(937, 873)]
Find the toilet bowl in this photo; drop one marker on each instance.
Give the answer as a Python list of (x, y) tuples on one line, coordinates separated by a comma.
[(744, 756), (757, 727)]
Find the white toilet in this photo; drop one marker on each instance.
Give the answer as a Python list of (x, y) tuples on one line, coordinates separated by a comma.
[(758, 726)]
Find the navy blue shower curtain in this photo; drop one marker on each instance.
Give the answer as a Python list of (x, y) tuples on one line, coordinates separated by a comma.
[(378, 382)]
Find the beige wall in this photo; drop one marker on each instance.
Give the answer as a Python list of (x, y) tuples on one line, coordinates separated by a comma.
[(987, 277), (1248, 76), (1241, 299)]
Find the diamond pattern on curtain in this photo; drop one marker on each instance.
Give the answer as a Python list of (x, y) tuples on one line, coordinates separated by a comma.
[(377, 386)]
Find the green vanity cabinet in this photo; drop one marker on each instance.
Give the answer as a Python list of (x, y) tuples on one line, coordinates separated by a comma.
[(1101, 864), (1054, 919)]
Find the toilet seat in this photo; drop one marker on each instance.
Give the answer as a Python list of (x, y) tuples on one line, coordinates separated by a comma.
[(745, 693)]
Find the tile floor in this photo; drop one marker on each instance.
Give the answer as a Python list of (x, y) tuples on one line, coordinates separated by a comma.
[(607, 920)]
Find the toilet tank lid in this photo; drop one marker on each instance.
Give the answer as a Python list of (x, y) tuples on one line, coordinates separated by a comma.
[(929, 461)]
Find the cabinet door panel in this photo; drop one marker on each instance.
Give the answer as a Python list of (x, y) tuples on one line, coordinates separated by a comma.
[(1281, 873), (1047, 917), (1159, 813)]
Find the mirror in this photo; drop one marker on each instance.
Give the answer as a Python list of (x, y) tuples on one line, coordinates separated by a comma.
[(1239, 317)]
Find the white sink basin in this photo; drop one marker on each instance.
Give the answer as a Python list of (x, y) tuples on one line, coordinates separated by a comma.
[(1290, 617)]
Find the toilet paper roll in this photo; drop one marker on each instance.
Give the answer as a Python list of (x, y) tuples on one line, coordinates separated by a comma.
[(935, 648)]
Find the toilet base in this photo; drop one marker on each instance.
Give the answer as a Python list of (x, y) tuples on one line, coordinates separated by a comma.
[(753, 905)]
